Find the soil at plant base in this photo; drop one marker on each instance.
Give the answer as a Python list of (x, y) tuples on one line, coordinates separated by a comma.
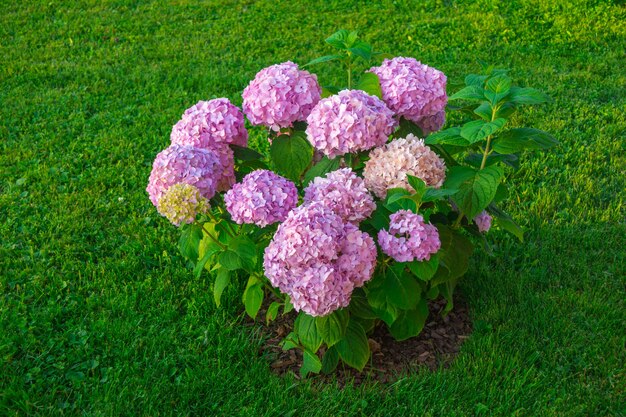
[(436, 346)]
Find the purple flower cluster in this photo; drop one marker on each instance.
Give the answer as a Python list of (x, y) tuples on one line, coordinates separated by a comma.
[(318, 259), (350, 121), (344, 193), (280, 95), (262, 198), (195, 166), (411, 89), (483, 221), (409, 237), (434, 123)]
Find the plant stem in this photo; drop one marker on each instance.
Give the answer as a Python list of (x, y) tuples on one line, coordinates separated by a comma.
[(213, 238), (349, 71), (487, 152), (274, 291)]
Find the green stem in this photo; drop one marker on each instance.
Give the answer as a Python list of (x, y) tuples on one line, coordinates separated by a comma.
[(486, 152), (349, 71), (457, 223), (213, 238), (277, 293)]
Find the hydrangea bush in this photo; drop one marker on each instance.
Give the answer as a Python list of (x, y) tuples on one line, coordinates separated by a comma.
[(363, 211)]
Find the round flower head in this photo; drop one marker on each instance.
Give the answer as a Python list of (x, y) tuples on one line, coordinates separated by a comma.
[(226, 156), (318, 259), (389, 165), (344, 193), (430, 124), (261, 198), (211, 123), (411, 89), (409, 238), (280, 95), (350, 121), (198, 167), (181, 203), (483, 221)]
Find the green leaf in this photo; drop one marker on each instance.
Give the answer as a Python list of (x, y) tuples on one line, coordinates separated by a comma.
[(332, 327), (190, 237), (522, 96), (352, 37), (401, 288), (475, 80), (524, 138), (323, 167), (272, 312), (471, 92), (291, 154), (207, 253), (253, 296), (354, 349), (329, 90), (484, 111), (377, 299), (288, 306), (446, 289), (325, 58), (306, 329), (369, 83), (407, 127), (476, 159), (339, 39), (310, 363), (245, 154), (478, 191), (362, 50), (497, 88), (502, 193), (380, 217), (419, 186), (221, 282), (230, 260), (451, 136), (434, 194), (246, 250), (330, 360), (424, 270), (479, 129), (506, 222), (453, 256), (359, 307), (289, 342), (410, 322), (457, 175)]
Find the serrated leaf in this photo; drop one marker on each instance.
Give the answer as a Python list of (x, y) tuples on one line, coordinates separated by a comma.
[(354, 349), (471, 92), (401, 288), (330, 360), (291, 154), (323, 167), (479, 129), (272, 312), (191, 235), (369, 83), (222, 279), (475, 80), (246, 250), (362, 50), (477, 191), (410, 322), (497, 88), (418, 185), (245, 154), (253, 296), (451, 136), (310, 364), (325, 58), (359, 307), (519, 139), (424, 270), (434, 194), (338, 39), (453, 255), (484, 110), (306, 329), (332, 327), (523, 96)]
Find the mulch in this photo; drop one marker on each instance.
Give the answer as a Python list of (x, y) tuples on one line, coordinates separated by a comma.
[(436, 346)]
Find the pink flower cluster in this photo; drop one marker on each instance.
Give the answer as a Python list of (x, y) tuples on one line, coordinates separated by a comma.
[(409, 237), (389, 165), (213, 125), (411, 89), (177, 163), (280, 95), (262, 198), (483, 221), (318, 259), (344, 193), (434, 123), (350, 121)]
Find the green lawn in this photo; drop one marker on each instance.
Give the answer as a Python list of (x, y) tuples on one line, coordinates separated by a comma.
[(99, 314)]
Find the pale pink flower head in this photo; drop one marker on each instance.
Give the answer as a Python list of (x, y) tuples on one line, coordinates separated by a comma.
[(195, 166), (181, 203), (280, 95), (389, 165), (212, 123), (409, 238), (411, 89), (318, 259), (434, 123), (344, 193), (350, 121), (483, 221), (261, 198)]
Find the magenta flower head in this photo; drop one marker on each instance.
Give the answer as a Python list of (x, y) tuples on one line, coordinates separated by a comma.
[(483, 221), (389, 165), (211, 123), (350, 121), (344, 193), (195, 166), (261, 198), (409, 238), (411, 89), (280, 95), (318, 259)]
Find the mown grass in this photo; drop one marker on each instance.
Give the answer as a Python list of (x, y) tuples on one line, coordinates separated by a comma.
[(98, 313)]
